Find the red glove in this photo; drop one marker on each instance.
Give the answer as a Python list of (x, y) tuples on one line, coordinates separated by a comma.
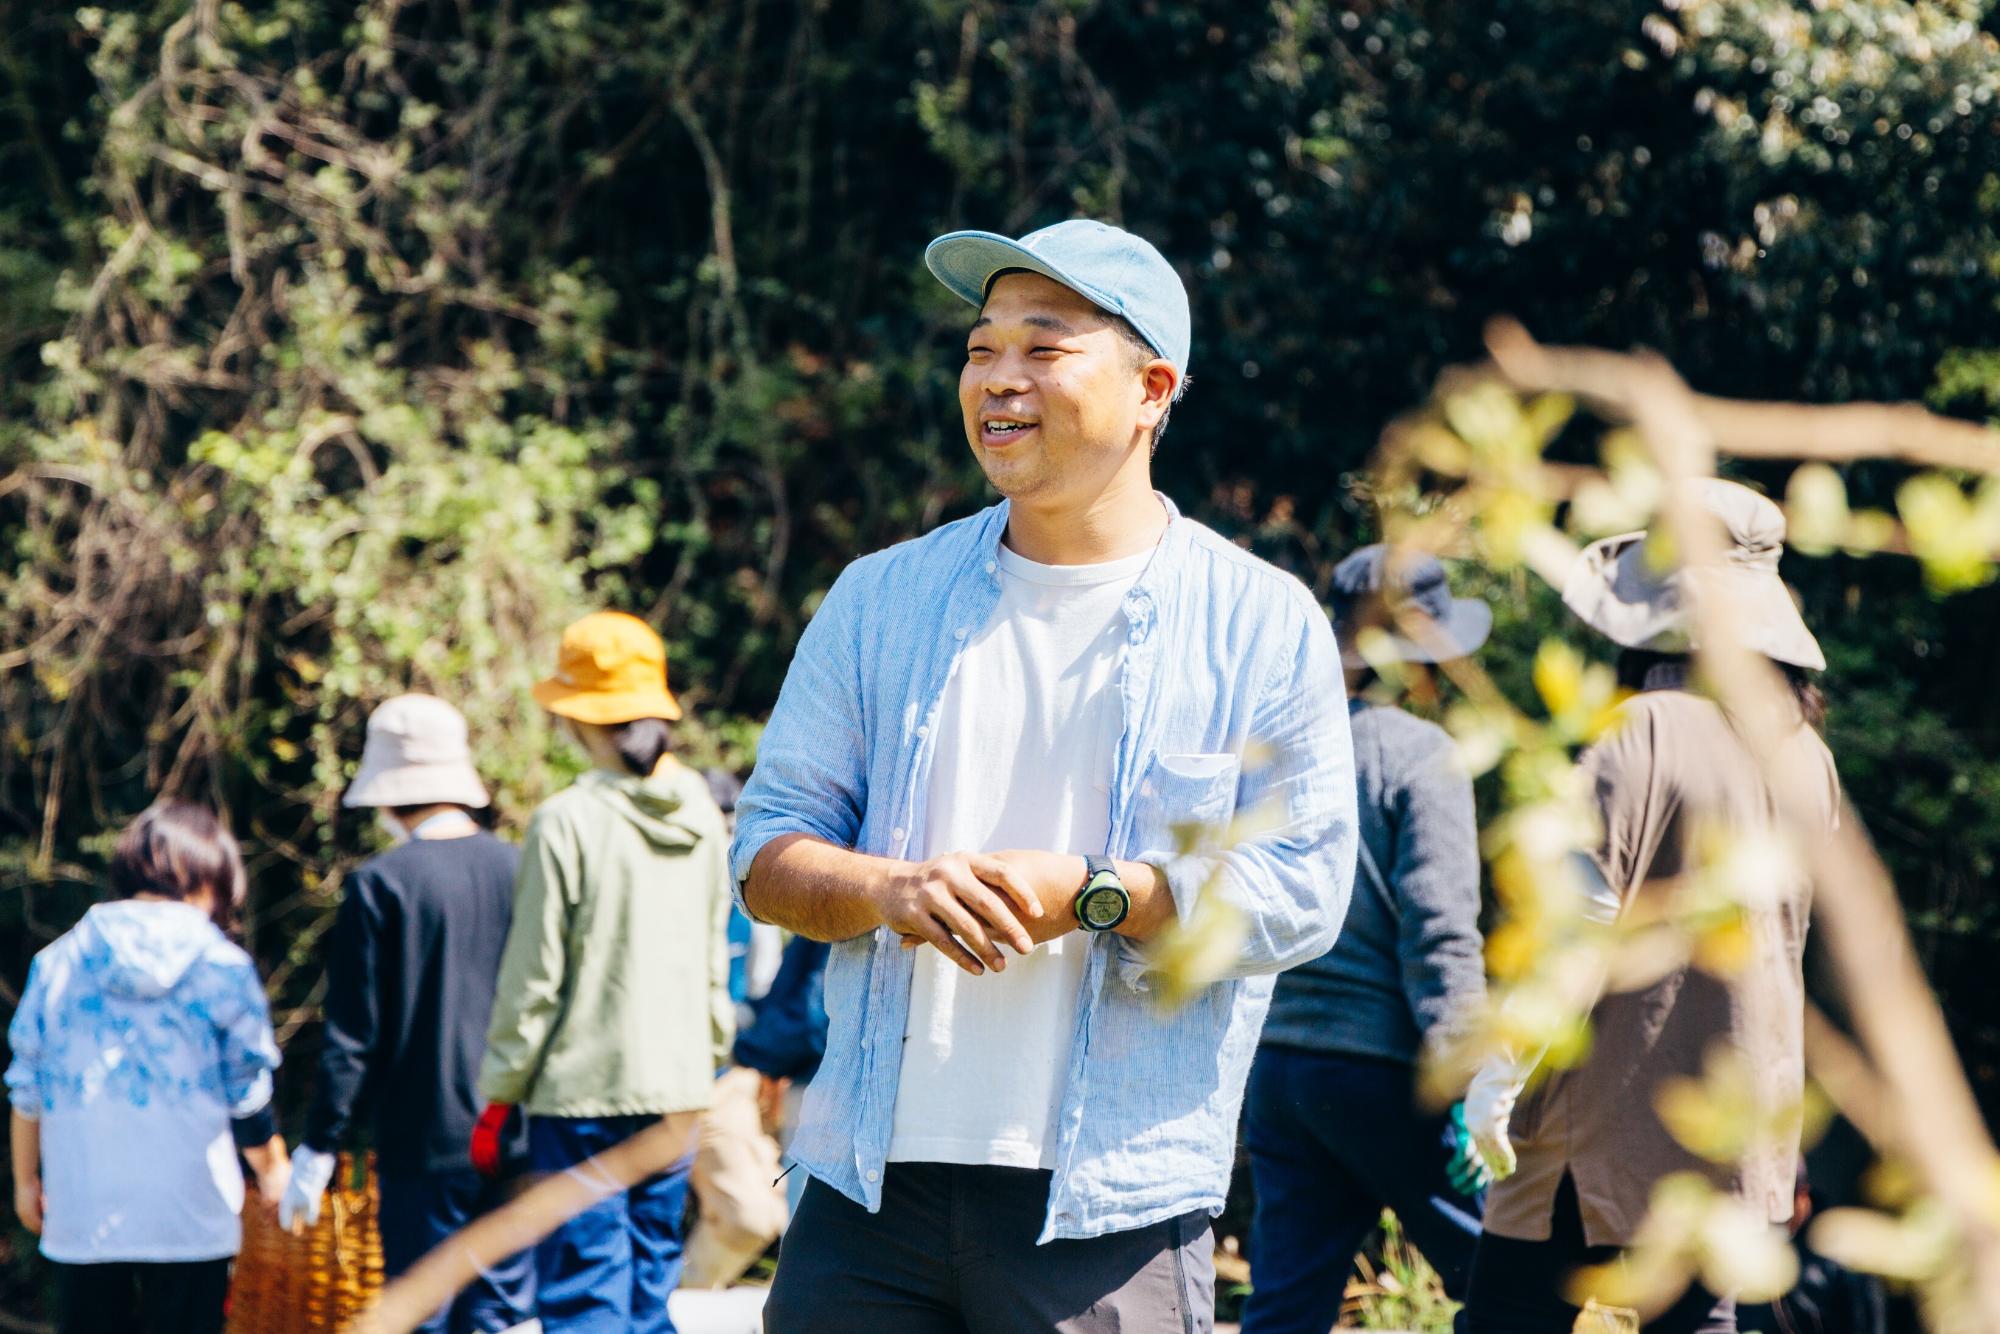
[(486, 1136)]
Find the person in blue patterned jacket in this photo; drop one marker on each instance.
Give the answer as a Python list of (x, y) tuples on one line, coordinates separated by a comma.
[(142, 1060)]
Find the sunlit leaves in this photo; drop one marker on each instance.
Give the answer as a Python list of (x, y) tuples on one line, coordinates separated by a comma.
[(1693, 1232), (1627, 495), (1190, 955), (1582, 700), (1953, 534), (1732, 1111), (1818, 520), (1494, 439)]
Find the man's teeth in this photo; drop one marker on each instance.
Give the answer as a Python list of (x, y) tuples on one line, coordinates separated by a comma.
[(1007, 428)]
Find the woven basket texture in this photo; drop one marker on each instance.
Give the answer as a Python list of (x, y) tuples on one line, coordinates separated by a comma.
[(318, 1281)]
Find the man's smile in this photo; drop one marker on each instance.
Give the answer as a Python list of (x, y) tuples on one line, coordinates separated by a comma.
[(998, 431)]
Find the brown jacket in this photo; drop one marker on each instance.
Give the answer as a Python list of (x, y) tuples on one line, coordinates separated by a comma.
[(1674, 767)]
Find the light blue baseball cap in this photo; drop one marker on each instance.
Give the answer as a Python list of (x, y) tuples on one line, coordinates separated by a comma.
[(1113, 269)]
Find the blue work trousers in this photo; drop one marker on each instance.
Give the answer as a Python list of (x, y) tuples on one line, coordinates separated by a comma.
[(1333, 1140), (421, 1209), (610, 1269)]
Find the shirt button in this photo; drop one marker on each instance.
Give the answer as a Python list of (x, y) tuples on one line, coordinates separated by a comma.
[(958, 633), (923, 729), (873, 1175), (991, 566), (899, 834)]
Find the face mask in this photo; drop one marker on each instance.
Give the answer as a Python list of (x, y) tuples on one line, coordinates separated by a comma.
[(393, 827)]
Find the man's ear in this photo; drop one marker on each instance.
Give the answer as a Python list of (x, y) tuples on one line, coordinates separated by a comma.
[(1159, 381)]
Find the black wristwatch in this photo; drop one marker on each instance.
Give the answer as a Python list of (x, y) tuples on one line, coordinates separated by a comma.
[(1103, 901)]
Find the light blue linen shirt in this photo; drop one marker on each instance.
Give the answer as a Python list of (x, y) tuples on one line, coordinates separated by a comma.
[(1232, 702)]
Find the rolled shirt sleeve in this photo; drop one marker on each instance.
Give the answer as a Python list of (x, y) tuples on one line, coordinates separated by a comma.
[(811, 774), (1292, 870)]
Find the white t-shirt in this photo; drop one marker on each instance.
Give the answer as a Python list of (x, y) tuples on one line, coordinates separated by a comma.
[(1026, 734)]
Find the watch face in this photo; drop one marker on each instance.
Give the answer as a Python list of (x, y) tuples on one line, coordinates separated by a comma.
[(1102, 908)]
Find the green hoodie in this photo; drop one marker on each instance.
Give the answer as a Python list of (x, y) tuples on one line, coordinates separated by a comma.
[(613, 997)]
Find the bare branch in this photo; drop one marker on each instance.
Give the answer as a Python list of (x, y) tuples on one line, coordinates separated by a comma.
[(1616, 384)]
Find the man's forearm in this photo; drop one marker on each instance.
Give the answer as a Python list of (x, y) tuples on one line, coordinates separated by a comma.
[(815, 889), (827, 893), (1152, 900)]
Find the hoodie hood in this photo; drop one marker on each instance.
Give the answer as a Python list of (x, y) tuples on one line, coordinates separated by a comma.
[(143, 948), (654, 805)]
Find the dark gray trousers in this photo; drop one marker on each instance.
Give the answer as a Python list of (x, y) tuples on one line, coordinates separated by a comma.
[(953, 1252)]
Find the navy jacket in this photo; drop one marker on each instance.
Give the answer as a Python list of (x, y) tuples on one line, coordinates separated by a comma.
[(788, 1034), (410, 971)]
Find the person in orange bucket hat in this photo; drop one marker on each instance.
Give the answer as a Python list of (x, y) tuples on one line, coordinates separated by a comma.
[(611, 670), (613, 1008)]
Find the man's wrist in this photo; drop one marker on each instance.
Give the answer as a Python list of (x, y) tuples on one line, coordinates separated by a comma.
[(1152, 902), (881, 889)]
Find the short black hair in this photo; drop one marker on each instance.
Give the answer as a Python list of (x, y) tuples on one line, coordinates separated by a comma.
[(1143, 352), (176, 849)]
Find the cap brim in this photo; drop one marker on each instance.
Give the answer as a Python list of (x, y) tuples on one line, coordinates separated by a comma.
[(1459, 634), (965, 262), (589, 706)]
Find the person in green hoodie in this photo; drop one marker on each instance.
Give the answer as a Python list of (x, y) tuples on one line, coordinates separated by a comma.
[(613, 1007)]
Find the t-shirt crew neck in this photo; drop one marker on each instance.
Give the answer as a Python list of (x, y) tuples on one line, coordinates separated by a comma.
[(1026, 732), (1125, 570)]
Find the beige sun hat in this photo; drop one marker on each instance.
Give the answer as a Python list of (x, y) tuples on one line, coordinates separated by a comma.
[(416, 755), (1617, 591)]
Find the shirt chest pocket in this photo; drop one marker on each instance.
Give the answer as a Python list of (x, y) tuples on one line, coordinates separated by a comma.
[(1187, 800)]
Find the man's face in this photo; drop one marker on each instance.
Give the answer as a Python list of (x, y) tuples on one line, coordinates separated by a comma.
[(1055, 398)]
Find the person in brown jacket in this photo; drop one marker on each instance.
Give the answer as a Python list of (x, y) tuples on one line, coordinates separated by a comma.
[(1589, 1141)]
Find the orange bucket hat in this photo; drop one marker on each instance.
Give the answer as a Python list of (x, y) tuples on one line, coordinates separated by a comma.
[(610, 669)]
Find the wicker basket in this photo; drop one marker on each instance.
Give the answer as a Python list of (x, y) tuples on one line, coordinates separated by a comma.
[(287, 1285)]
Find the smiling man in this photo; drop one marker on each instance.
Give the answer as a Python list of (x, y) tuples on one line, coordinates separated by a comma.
[(978, 783)]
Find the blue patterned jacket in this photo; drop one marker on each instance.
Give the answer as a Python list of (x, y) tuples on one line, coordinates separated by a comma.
[(141, 1035)]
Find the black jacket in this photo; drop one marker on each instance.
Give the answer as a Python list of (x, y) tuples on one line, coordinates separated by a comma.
[(410, 971)]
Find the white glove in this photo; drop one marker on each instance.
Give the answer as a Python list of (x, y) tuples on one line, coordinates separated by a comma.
[(311, 1171), (1489, 1104)]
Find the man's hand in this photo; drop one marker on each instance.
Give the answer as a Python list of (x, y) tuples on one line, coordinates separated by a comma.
[(967, 904), (28, 1204), (1054, 878), (771, 1102), (1050, 879)]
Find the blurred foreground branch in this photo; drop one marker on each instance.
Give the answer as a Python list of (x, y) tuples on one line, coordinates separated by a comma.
[(523, 1221), (1639, 386), (1900, 1026)]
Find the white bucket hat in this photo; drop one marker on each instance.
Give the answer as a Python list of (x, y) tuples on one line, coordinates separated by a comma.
[(1616, 590), (416, 756)]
